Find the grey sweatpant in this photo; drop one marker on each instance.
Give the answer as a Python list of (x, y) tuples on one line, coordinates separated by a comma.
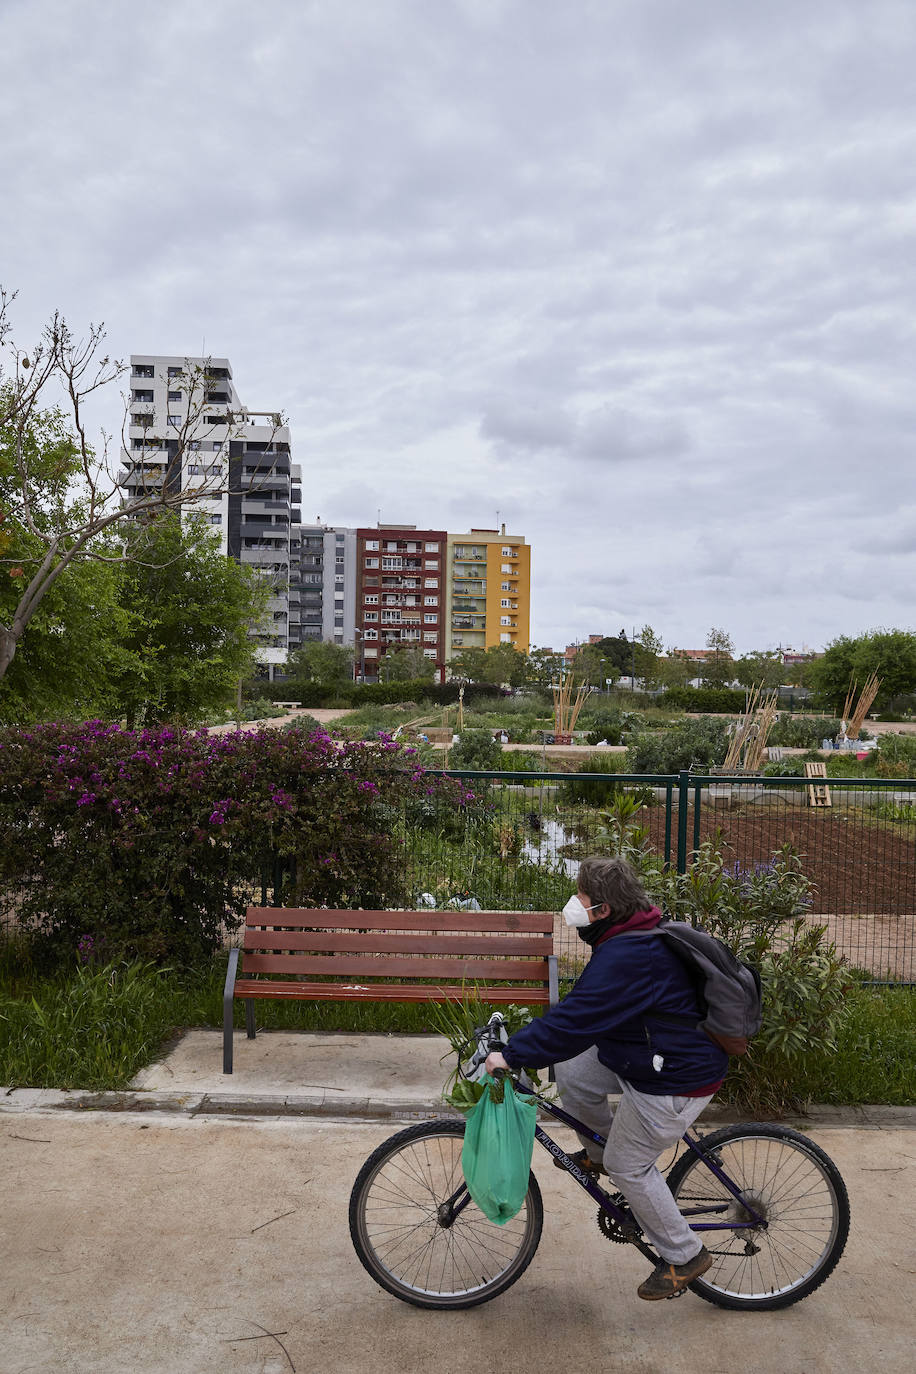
[(642, 1127)]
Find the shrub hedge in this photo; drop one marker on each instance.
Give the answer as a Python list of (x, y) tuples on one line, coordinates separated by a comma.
[(712, 700), (152, 843)]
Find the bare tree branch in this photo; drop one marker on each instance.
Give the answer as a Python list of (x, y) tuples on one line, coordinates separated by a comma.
[(73, 507)]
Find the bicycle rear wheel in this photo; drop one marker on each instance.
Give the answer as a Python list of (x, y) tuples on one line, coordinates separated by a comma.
[(799, 1191), (410, 1243)]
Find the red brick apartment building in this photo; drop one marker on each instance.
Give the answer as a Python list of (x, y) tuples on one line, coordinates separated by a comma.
[(400, 595)]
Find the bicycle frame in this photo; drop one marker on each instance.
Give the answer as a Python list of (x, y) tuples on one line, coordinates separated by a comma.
[(460, 1198)]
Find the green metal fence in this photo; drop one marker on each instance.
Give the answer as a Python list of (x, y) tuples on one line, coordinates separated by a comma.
[(856, 839)]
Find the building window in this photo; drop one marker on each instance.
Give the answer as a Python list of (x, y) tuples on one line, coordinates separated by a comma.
[(371, 615), (339, 559), (142, 370), (371, 562), (193, 469), (390, 617), (510, 553), (339, 538), (174, 421), (194, 445), (429, 653), (430, 601), (430, 582), (174, 395), (392, 564), (338, 621), (146, 396), (430, 619), (505, 586), (431, 548), (173, 372), (507, 567), (370, 651), (372, 544), (505, 620), (505, 639), (217, 445), (431, 564), (371, 598), (370, 634), (506, 605), (216, 519)]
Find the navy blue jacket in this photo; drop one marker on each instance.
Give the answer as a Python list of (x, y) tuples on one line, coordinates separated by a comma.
[(627, 976)]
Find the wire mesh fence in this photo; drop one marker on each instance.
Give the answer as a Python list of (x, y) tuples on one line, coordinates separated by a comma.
[(856, 840)]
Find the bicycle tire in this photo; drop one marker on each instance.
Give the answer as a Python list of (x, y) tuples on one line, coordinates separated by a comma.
[(803, 1197), (399, 1239)]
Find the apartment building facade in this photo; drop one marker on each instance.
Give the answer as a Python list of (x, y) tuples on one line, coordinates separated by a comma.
[(323, 585), (488, 591), (188, 429), (400, 596)]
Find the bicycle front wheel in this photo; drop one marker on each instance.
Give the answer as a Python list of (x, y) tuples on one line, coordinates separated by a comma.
[(798, 1190), (411, 1241)]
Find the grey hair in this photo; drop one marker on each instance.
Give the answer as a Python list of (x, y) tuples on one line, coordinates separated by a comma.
[(616, 882)]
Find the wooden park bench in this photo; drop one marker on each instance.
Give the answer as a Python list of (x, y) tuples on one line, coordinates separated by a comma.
[(314, 954)]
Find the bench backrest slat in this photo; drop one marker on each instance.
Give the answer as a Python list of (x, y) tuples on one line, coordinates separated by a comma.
[(378, 966), (309, 918), (383, 942)]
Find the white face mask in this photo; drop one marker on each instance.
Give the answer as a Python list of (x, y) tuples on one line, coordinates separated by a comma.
[(575, 914)]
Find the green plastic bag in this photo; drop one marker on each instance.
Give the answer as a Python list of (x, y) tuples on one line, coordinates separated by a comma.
[(496, 1155)]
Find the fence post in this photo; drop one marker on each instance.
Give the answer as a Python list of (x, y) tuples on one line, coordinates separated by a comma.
[(669, 804), (683, 787)]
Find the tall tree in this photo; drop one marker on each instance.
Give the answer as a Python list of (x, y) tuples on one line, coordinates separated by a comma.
[(59, 508), (889, 653), (760, 668), (189, 610), (648, 650), (407, 663), (718, 669), (327, 665), (544, 667)]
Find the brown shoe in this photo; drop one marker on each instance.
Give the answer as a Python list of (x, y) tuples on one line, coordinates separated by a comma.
[(585, 1163), (670, 1280)]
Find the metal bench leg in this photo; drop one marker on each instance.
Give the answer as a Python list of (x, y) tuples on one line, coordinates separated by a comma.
[(249, 1017), (228, 999)]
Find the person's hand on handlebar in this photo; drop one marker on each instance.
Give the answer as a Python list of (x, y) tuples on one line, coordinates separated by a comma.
[(495, 1061)]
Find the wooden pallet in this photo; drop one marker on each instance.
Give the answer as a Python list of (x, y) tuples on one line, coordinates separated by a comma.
[(818, 793)]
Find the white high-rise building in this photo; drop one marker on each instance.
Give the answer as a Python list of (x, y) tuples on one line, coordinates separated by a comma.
[(187, 428)]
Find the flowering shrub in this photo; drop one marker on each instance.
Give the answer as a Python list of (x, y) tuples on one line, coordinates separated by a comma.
[(154, 842)]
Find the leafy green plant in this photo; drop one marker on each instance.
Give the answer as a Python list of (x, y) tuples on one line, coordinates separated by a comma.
[(476, 749), (457, 1021), (696, 744), (598, 790), (759, 913)]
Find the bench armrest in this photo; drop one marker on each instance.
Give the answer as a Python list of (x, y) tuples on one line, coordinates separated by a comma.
[(553, 979)]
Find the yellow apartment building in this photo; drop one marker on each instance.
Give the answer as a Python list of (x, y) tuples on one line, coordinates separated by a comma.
[(488, 591)]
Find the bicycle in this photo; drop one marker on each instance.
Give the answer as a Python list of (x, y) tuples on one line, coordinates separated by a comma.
[(771, 1204)]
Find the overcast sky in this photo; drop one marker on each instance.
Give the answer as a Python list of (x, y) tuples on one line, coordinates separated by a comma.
[(638, 275)]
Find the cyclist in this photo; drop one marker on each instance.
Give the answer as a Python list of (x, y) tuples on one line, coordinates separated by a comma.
[(609, 1035)]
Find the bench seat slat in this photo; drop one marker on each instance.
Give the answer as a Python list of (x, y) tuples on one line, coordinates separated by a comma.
[(313, 918), (382, 942), (385, 992), (381, 967)]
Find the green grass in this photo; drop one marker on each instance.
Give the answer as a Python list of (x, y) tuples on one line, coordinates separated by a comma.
[(875, 1061)]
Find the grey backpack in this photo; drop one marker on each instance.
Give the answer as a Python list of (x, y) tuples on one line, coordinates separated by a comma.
[(729, 990)]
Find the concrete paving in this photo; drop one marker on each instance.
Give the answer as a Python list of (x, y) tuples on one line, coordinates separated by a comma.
[(183, 1245)]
